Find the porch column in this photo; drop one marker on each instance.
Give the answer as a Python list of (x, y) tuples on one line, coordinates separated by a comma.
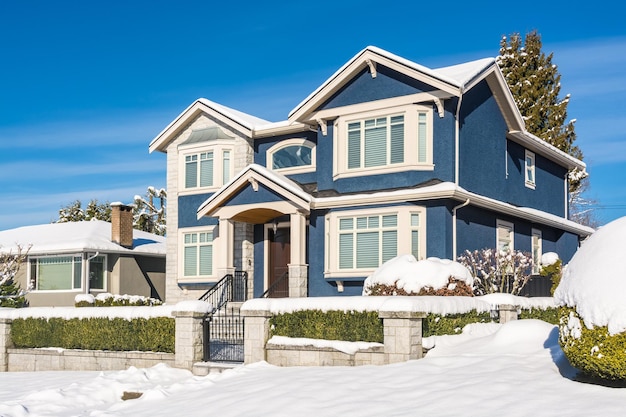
[(298, 269), (225, 258)]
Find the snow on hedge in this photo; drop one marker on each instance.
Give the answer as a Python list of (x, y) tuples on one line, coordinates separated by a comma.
[(346, 347), (124, 312), (412, 275), (426, 304), (594, 281)]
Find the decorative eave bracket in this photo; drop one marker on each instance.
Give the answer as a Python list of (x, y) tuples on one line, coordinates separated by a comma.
[(253, 182), (439, 104), (372, 65), (323, 126)]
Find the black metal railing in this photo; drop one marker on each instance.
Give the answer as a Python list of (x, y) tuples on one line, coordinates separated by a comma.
[(224, 327), (279, 288), (233, 287)]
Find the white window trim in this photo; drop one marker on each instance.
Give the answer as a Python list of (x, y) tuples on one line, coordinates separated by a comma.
[(501, 224), (292, 142), (181, 255), (528, 182), (331, 267), (410, 112), (536, 262), (82, 278), (218, 148)]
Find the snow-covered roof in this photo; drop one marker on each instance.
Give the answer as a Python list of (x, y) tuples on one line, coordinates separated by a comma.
[(74, 237)]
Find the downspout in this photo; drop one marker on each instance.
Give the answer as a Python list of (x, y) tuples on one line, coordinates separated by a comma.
[(454, 210), (87, 271)]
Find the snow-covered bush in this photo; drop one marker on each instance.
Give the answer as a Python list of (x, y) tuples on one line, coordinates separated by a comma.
[(497, 271), (551, 267), (109, 300), (10, 263), (404, 275), (592, 293)]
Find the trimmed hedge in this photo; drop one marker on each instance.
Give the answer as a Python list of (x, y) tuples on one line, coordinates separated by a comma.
[(351, 326), (437, 325), (549, 315), (595, 352), (117, 334)]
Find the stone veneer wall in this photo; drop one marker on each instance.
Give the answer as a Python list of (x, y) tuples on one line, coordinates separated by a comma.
[(26, 360)]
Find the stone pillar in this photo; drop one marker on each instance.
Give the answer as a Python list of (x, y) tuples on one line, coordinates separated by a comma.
[(298, 269), (226, 250), (189, 345), (507, 312), (5, 343), (256, 334), (403, 335)]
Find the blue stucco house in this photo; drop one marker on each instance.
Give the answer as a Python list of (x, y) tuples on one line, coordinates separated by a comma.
[(386, 157)]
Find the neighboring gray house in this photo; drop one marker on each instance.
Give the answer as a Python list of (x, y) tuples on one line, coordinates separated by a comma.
[(88, 257)]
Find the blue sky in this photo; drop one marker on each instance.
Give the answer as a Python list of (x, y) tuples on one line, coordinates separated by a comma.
[(86, 85)]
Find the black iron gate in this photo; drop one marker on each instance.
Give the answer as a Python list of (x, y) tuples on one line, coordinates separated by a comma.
[(223, 336), (224, 328)]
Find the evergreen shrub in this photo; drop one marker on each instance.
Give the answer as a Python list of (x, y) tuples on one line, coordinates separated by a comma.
[(438, 325), (147, 335), (549, 315), (595, 352), (351, 326)]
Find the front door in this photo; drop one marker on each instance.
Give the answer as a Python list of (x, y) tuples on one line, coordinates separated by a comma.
[(279, 259)]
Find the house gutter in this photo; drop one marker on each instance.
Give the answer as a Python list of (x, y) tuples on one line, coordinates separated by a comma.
[(454, 243)]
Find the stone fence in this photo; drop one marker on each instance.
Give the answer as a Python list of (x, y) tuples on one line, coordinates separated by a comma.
[(188, 347), (402, 329)]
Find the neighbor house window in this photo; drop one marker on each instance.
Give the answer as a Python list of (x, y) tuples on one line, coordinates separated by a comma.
[(198, 254), (97, 270), (292, 156), (529, 169), (390, 141), (56, 273), (208, 169), (361, 241), (504, 235), (536, 250)]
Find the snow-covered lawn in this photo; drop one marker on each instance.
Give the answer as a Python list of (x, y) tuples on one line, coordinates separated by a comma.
[(490, 370)]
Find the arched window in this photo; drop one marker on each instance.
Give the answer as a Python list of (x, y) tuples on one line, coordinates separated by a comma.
[(293, 155)]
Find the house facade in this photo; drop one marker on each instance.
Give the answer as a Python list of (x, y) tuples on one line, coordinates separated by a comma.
[(386, 157), (88, 257)]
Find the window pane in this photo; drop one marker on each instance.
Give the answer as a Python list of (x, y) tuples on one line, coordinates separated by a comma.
[(421, 138), (375, 147), (206, 260), (96, 273), (415, 220), (415, 244), (346, 249), (354, 147), (191, 174), (390, 220), (226, 167), (396, 145), (292, 156), (191, 266), (367, 250), (206, 170), (346, 224), (78, 271), (361, 223), (390, 244), (55, 273)]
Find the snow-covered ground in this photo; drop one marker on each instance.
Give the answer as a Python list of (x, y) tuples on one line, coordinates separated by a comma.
[(490, 370)]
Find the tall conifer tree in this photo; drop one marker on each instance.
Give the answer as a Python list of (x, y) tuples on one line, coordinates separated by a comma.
[(535, 83)]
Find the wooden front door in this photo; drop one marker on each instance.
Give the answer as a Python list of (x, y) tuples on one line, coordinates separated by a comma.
[(279, 259)]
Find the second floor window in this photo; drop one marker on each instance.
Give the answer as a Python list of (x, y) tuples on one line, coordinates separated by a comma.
[(377, 142), (529, 169), (208, 169)]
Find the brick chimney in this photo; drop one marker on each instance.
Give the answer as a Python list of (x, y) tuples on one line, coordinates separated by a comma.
[(122, 225)]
